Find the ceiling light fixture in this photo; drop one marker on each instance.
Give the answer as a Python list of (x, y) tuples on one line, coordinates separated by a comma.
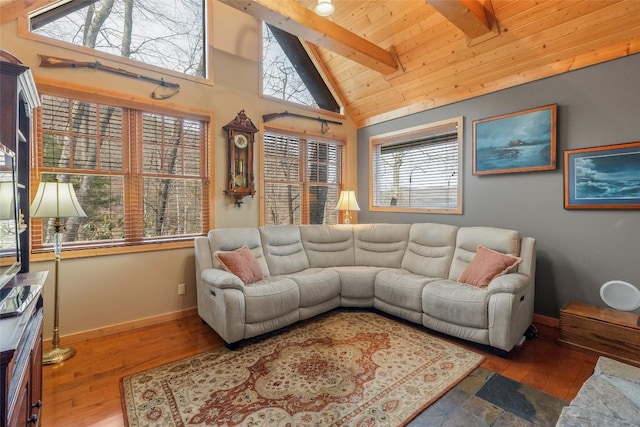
[(324, 8)]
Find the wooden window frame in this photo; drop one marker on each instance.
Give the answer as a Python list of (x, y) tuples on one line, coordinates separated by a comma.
[(303, 175), (404, 136), (134, 241), (24, 31)]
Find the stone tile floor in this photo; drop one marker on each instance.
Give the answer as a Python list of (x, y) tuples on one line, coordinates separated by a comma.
[(485, 398)]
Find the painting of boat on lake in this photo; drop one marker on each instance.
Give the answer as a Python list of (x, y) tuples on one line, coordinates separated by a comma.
[(606, 177), (524, 141)]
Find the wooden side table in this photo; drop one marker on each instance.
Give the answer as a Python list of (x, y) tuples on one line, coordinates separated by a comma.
[(601, 331)]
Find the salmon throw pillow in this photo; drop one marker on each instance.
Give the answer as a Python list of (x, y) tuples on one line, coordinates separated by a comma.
[(486, 265), (242, 263)]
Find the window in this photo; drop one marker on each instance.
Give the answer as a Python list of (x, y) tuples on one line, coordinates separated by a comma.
[(288, 73), (418, 169), (167, 34), (302, 178), (139, 176)]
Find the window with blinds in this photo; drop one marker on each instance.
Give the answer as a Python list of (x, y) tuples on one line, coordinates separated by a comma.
[(139, 176), (302, 178), (418, 169)]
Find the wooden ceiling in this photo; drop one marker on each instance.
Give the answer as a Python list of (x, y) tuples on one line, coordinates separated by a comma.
[(443, 52), (387, 59)]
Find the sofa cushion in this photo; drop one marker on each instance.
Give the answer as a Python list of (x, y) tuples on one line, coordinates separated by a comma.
[(242, 263), (282, 246), (468, 239), (270, 298), (328, 245), (487, 265), (380, 245), (456, 303), (229, 239), (430, 249), (356, 284), (316, 285), (401, 288)]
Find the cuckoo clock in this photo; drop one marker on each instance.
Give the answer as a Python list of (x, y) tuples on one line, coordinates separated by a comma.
[(240, 140)]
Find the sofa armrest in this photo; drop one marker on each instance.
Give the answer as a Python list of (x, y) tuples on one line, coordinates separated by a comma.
[(511, 283), (221, 279)]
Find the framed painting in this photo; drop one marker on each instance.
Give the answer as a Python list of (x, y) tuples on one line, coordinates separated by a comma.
[(606, 177), (524, 141)]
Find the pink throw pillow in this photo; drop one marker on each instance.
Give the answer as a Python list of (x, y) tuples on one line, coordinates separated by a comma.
[(242, 263), (486, 265)]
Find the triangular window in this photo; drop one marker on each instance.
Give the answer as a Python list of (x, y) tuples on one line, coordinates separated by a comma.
[(288, 72)]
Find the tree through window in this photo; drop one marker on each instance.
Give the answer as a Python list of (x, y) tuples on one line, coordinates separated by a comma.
[(418, 169), (164, 33), (288, 72), (302, 178), (139, 176)]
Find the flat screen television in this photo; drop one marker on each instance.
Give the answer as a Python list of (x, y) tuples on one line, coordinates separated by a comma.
[(9, 217)]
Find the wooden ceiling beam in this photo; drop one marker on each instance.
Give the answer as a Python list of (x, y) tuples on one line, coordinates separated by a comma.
[(11, 11), (296, 19), (471, 16)]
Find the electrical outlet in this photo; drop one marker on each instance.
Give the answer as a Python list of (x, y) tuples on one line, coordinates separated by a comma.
[(182, 289)]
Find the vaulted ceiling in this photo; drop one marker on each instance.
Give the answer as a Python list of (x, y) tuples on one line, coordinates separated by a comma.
[(387, 59), (391, 58)]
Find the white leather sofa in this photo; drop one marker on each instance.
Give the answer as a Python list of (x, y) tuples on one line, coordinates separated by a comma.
[(406, 270)]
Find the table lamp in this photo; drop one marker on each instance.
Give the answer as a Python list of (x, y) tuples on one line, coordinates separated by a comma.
[(347, 203)]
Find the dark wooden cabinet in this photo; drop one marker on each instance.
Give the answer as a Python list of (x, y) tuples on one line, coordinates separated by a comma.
[(21, 357), (19, 97), (20, 335)]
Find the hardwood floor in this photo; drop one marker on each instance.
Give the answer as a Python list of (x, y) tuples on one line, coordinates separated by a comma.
[(85, 390)]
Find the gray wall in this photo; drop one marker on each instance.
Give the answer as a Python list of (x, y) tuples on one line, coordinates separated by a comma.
[(577, 250)]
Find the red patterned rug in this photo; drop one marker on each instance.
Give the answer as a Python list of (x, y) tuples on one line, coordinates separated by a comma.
[(342, 369)]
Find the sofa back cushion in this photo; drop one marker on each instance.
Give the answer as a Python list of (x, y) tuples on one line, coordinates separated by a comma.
[(468, 239), (430, 249), (230, 239), (380, 245), (328, 245), (283, 250)]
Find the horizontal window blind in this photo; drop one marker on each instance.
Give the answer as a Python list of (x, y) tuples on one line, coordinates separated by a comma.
[(418, 170), (171, 158), (140, 177), (302, 178)]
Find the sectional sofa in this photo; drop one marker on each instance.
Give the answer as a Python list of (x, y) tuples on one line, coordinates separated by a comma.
[(291, 273)]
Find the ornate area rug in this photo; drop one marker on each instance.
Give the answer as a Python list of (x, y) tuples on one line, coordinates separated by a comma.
[(342, 369)]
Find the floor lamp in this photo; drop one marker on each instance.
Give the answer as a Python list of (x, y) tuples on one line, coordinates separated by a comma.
[(347, 202), (56, 200)]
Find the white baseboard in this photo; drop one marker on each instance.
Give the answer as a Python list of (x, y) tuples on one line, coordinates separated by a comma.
[(124, 327)]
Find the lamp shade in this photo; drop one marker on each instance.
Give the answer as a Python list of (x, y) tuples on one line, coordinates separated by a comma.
[(7, 201), (347, 201), (56, 200), (324, 8)]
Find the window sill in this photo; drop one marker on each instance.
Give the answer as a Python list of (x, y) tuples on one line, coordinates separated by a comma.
[(118, 250)]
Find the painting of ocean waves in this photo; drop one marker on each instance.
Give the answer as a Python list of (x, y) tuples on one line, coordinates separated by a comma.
[(615, 176), (605, 177)]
